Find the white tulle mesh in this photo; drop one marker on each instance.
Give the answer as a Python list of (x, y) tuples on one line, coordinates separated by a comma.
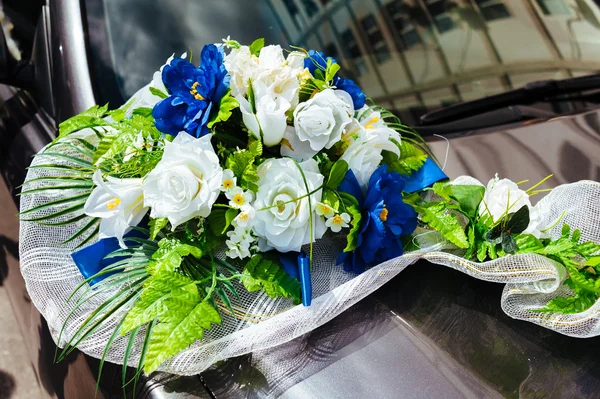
[(262, 322)]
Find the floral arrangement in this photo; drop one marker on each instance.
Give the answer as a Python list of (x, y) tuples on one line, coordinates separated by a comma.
[(237, 169)]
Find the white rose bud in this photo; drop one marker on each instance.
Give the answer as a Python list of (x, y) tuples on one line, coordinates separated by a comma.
[(502, 195), (319, 123)]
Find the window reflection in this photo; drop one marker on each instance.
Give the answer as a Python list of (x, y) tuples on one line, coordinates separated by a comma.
[(421, 54)]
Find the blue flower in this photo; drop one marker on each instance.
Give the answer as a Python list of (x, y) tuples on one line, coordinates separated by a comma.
[(385, 218), (358, 97), (193, 93), (317, 59)]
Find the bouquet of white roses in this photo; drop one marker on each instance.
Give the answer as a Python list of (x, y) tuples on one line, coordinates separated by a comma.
[(188, 223)]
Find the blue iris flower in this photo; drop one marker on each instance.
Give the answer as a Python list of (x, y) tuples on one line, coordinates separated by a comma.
[(317, 59), (385, 218), (193, 93)]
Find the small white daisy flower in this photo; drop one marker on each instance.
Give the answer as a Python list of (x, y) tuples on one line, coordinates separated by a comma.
[(337, 222), (245, 217), (238, 197), (324, 209), (229, 181)]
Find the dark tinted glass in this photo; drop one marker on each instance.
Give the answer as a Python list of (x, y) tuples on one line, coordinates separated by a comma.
[(410, 56)]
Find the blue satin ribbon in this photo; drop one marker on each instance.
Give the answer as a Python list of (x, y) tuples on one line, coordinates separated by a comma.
[(305, 281), (428, 174), (297, 265), (91, 259)]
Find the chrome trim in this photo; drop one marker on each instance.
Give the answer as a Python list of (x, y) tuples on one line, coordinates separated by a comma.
[(71, 69)]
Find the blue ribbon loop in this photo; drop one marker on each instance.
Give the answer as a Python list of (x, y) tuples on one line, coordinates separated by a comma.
[(92, 259), (428, 174)]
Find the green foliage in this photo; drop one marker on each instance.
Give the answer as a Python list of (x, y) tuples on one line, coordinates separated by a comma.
[(581, 301), (257, 45), (158, 92), (436, 216), (156, 225), (220, 219), (242, 164), (180, 327), (152, 302), (337, 174), (226, 106), (352, 237), (264, 273), (90, 118), (503, 232), (411, 158), (169, 255)]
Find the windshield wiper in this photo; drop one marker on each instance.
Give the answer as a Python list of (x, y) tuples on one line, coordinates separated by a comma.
[(497, 117), (530, 93)]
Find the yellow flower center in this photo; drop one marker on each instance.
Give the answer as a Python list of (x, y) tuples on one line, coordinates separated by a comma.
[(369, 124), (227, 184), (112, 204), (238, 199), (384, 214), (337, 219), (194, 91), (280, 206), (244, 216)]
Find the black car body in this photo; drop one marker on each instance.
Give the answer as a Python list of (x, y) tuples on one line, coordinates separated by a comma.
[(431, 331)]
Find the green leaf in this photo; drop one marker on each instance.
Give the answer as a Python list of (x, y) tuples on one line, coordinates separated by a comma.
[(519, 221), (528, 243), (352, 237), (257, 45), (152, 302), (105, 144), (508, 243), (577, 303), (92, 117), (183, 326), (229, 216), (218, 221), (468, 197), (158, 92), (269, 275), (331, 70), (411, 159), (337, 174), (241, 163), (581, 281), (226, 106), (169, 255), (156, 225), (143, 112), (256, 148), (434, 214)]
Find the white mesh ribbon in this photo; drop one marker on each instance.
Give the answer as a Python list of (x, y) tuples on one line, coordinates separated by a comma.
[(261, 322)]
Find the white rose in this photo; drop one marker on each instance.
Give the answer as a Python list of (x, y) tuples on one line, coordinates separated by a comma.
[(186, 182), (367, 138), (319, 123), (285, 226), (120, 204), (242, 67), (502, 195), (270, 120)]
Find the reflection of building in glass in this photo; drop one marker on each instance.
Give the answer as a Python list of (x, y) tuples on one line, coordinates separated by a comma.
[(414, 55)]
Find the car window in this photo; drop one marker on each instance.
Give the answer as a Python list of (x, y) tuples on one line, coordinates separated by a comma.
[(410, 56)]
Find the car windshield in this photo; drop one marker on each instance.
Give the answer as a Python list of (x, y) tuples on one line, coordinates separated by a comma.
[(410, 56)]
